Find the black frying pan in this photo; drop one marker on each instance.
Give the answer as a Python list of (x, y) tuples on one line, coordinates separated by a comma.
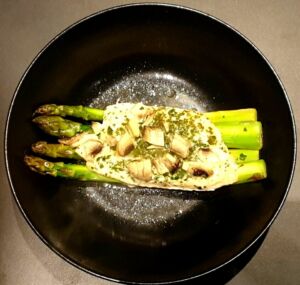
[(157, 54)]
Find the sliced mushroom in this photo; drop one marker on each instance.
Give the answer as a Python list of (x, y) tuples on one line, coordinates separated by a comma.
[(89, 149), (72, 140), (197, 169), (78, 139), (141, 169), (125, 145), (154, 136), (134, 128), (94, 147), (160, 166), (171, 162), (180, 146), (206, 151)]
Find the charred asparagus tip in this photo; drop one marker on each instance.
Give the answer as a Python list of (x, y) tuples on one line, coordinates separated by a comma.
[(39, 165), (59, 127), (55, 150), (43, 110), (86, 113), (65, 170)]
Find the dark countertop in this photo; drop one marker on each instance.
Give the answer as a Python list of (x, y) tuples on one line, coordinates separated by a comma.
[(27, 26)]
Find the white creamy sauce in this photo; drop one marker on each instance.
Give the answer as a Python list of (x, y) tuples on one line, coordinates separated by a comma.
[(174, 148)]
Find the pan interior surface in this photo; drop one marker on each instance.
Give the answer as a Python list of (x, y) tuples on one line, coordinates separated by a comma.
[(162, 55)]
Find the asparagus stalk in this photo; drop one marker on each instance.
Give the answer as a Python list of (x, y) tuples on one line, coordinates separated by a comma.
[(252, 171), (59, 127), (249, 171), (244, 155), (94, 114), (66, 151), (86, 113), (65, 170), (55, 150), (238, 115), (242, 135)]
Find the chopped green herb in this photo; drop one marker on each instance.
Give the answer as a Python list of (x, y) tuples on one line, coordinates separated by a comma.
[(179, 174), (212, 140), (109, 130), (242, 157)]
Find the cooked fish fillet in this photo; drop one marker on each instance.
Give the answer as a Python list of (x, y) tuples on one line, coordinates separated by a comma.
[(156, 146)]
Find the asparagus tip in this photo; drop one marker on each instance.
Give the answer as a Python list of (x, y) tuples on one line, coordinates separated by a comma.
[(31, 162), (44, 109), (38, 164), (40, 120), (38, 147)]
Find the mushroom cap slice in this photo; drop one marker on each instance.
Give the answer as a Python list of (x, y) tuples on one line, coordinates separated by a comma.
[(196, 168), (154, 136), (134, 127), (180, 146), (89, 149), (170, 161), (125, 145), (160, 166), (141, 169)]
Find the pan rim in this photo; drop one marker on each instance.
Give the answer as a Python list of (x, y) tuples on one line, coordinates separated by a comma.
[(119, 7)]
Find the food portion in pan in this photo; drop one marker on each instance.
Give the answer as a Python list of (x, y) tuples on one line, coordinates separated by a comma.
[(151, 146)]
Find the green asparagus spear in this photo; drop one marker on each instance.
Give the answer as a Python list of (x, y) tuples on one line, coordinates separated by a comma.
[(94, 114), (86, 113), (249, 171), (243, 135), (59, 127), (55, 150), (66, 151), (65, 170), (244, 155), (252, 171), (238, 115)]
